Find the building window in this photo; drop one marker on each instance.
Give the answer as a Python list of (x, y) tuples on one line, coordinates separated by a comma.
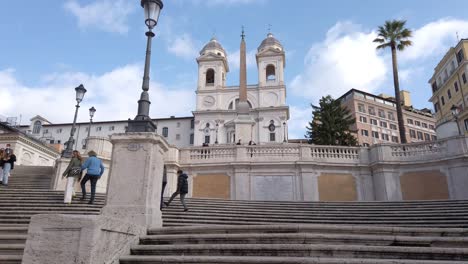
[(272, 137), (449, 94), (59, 131), (371, 110), (59, 141), (98, 128), (111, 128), (373, 122), (434, 87), (178, 124), (46, 131), (210, 77), (381, 113), (442, 99), (37, 127), (424, 125), (391, 116), (393, 126), (385, 137), (177, 136), (436, 107), (165, 132), (464, 78), (455, 85), (207, 140), (363, 119), (460, 56), (417, 123), (270, 73), (87, 129), (409, 121), (383, 124), (395, 139), (192, 123), (434, 138), (361, 108), (427, 137), (191, 139), (364, 132), (412, 133), (51, 141), (375, 134), (420, 135)]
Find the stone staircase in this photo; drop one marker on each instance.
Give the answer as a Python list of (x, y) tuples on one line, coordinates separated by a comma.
[(28, 194), (254, 232)]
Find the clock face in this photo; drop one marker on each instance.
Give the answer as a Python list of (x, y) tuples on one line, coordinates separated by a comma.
[(208, 101)]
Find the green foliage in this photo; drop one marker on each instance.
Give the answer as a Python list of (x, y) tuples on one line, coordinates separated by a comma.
[(393, 34), (331, 124)]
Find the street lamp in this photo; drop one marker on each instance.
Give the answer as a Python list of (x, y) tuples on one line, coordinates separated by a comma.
[(142, 122), (455, 112), (80, 92), (92, 110), (216, 140), (284, 131)]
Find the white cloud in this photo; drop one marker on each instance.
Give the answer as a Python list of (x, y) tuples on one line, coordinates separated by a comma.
[(434, 39), (114, 94), (300, 118), (234, 59), (106, 15), (223, 2), (183, 46), (346, 59)]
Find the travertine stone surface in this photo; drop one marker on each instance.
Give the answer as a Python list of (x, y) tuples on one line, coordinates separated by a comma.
[(135, 183), (59, 239)]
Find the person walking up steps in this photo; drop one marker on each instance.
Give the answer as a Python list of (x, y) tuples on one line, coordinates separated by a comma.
[(9, 160), (73, 173), (95, 169), (182, 189)]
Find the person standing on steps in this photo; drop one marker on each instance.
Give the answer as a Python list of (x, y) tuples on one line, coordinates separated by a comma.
[(2, 162), (182, 189), (95, 169), (9, 160), (164, 183), (73, 173)]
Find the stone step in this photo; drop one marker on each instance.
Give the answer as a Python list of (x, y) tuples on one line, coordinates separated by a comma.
[(28, 216), (12, 230), (305, 238), (269, 260), (11, 259), (302, 250), (322, 228), (51, 207), (13, 239), (11, 249)]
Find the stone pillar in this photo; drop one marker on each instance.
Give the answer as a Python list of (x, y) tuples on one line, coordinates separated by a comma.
[(310, 190), (387, 184), (241, 182), (134, 188)]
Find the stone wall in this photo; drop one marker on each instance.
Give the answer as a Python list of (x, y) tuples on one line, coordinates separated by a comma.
[(28, 151)]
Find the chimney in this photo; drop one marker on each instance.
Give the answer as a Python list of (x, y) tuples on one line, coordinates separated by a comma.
[(405, 98)]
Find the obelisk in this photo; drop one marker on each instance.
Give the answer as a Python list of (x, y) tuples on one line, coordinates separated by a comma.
[(244, 121)]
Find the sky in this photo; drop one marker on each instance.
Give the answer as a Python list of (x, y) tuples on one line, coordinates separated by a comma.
[(47, 48)]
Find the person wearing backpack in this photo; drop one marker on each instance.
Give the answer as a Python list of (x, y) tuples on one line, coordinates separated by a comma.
[(182, 189)]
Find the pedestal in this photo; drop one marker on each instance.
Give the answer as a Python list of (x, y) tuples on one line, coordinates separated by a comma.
[(134, 187)]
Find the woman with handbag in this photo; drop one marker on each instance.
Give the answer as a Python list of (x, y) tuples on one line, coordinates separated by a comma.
[(73, 173)]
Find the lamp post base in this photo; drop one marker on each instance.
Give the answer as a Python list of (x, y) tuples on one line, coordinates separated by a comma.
[(141, 126)]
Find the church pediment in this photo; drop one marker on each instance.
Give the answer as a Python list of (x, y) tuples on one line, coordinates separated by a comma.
[(270, 52)]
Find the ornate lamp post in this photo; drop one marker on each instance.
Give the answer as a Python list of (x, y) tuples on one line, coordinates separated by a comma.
[(80, 92), (92, 110), (455, 112), (217, 126), (284, 131), (142, 122)]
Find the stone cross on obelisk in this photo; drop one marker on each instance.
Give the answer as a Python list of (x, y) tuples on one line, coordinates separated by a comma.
[(244, 121)]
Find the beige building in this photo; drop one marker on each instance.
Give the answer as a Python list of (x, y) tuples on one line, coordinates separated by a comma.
[(376, 118), (450, 87)]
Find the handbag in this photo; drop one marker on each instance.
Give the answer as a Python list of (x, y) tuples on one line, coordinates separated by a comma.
[(75, 171)]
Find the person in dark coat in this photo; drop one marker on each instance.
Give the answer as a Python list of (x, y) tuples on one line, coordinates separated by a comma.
[(164, 183), (182, 189)]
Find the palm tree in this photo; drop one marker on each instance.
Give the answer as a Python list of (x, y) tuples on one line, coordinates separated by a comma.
[(393, 34)]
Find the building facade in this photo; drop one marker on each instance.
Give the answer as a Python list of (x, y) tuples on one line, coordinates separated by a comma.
[(376, 118), (449, 85)]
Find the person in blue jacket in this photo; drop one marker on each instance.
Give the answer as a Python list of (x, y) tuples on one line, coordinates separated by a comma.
[(95, 169)]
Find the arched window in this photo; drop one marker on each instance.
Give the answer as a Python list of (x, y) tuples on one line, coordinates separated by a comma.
[(270, 73), (232, 105), (210, 77), (37, 127)]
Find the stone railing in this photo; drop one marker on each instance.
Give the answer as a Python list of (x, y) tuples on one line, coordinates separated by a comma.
[(274, 151), (332, 152), (208, 153)]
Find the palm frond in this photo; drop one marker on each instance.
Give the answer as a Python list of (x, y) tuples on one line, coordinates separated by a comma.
[(385, 45)]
